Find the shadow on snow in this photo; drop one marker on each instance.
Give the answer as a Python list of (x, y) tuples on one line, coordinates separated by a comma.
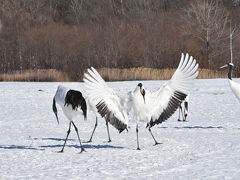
[(53, 139), (87, 146), (195, 127), (76, 146), (18, 147)]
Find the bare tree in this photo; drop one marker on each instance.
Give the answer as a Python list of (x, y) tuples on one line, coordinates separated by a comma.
[(236, 2), (207, 20), (233, 34), (25, 10), (77, 9), (232, 31), (0, 25)]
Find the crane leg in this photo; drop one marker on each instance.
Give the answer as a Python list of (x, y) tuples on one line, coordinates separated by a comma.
[(184, 117), (76, 129), (109, 139), (138, 148), (68, 132), (185, 110), (179, 113), (90, 140), (156, 143)]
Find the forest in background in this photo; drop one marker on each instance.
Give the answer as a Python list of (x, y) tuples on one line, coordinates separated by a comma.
[(69, 36)]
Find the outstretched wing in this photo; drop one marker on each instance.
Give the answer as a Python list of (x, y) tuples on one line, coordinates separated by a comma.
[(167, 99), (108, 103)]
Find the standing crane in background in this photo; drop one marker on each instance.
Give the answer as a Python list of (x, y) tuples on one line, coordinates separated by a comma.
[(183, 109), (235, 87)]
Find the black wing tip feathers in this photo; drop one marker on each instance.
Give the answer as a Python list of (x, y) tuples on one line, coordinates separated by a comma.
[(123, 128), (173, 104), (109, 116)]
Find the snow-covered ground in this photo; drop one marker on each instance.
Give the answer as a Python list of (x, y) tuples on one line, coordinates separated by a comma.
[(205, 147)]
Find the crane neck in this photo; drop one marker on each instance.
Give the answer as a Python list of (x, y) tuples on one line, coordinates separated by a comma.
[(230, 72)]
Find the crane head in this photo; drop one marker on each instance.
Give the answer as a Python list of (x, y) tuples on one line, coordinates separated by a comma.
[(142, 91), (227, 65)]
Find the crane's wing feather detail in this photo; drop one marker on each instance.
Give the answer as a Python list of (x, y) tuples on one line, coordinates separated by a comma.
[(108, 103), (167, 99)]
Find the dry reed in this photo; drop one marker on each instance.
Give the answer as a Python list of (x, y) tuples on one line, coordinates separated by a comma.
[(115, 74), (35, 75), (109, 74)]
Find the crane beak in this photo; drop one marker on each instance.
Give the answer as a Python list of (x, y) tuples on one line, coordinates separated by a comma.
[(224, 66), (57, 118)]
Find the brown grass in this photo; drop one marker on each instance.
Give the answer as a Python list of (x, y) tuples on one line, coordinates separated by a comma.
[(115, 74), (109, 74), (35, 75)]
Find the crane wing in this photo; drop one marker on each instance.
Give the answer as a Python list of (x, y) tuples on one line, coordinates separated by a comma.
[(167, 99), (108, 103)]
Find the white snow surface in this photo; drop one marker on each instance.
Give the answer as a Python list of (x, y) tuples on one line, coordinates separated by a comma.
[(205, 147)]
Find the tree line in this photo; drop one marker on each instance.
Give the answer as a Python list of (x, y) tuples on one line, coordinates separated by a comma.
[(75, 34)]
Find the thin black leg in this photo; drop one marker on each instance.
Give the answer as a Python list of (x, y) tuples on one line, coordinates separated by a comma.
[(90, 140), (185, 110), (76, 129), (138, 148), (179, 113), (182, 112), (183, 115), (156, 143), (68, 132), (109, 139)]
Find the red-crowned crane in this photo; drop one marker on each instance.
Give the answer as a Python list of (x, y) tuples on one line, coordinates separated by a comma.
[(233, 85), (154, 107), (73, 104)]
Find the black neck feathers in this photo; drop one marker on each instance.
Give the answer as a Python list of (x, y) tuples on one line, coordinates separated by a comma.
[(140, 85), (230, 72), (76, 99)]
